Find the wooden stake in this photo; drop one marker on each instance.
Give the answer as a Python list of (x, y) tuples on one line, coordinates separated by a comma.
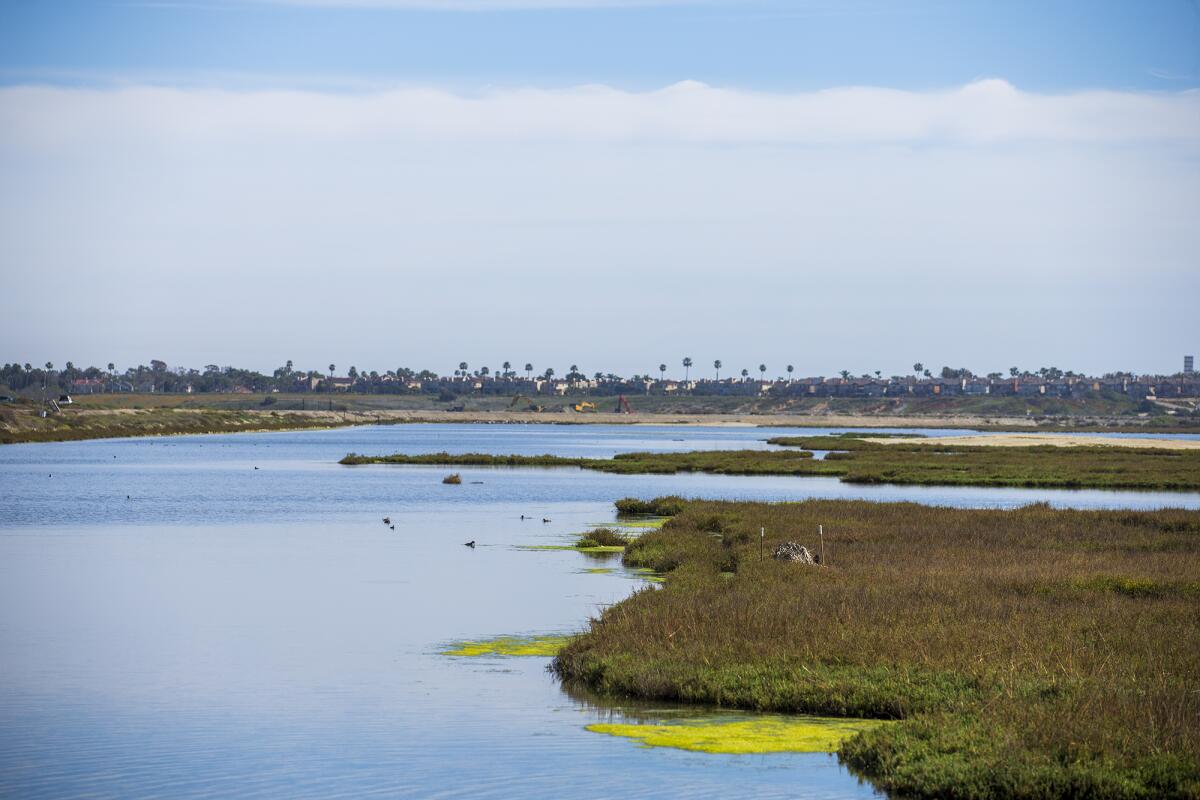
[(762, 532), (821, 535)]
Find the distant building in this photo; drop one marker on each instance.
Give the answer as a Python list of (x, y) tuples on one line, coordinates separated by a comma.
[(1189, 366)]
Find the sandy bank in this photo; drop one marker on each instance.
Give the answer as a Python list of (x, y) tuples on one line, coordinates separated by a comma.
[(1056, 439)]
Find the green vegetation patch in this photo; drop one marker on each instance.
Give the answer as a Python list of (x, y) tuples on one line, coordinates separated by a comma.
[(545, 645), (576, 548), (1032, 652), (644, 524), (858, 461), (762, 734)]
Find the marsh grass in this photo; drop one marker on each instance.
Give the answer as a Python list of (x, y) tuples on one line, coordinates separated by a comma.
[(1032, 652), (78, 424), (604, 537), (928, 462), (869, 462)]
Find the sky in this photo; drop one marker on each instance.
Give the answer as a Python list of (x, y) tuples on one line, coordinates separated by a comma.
[(610, 183)]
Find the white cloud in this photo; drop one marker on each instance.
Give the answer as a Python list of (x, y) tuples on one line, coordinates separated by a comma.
[(984, 112), (851, 228)]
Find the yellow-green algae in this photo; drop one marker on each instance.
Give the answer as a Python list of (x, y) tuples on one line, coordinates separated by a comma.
[(643, 523), (545, 645), (598, 570), (596, 549), (647, 574), (765, 734)]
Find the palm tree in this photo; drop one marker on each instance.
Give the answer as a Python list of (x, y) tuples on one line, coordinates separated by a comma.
[(111, 368), (549, 373), (1014, 371), (331, 369), (687, 365), (918, 367), (790, 370), (528, 370), (717, 367), (507, 366), (762, 369), (462, 365), (662, 372), (745, 374), (845, 374)]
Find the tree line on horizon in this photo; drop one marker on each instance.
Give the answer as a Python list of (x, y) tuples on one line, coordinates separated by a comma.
[(159, 377)]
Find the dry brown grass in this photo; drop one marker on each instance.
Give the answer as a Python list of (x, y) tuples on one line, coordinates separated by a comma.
[(1033, 652)]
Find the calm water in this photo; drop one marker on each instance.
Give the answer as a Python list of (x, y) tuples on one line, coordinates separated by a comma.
[(174, 622)]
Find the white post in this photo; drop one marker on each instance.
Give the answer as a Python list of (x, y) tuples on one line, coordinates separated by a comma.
[(762, 532), (821, 536)]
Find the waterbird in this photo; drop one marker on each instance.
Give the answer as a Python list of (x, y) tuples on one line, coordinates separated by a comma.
[(545, 520), (387, 520), (256, 467), (393, 527), (470, 544)]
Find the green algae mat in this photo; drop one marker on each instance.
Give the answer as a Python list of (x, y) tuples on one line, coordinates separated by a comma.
[(596, 549), (547, 645), (766, 734)]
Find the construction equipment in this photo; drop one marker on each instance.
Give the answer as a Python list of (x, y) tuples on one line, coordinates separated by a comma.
[(529, 404), (585, 406), (622, 405)]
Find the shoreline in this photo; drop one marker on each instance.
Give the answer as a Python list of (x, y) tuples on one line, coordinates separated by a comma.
[(22, 425)]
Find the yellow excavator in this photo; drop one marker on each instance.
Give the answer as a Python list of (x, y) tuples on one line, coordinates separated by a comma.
[(585, 406), (529, 404)]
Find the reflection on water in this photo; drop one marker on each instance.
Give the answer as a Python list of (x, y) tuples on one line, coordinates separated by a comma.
[(237, 632)]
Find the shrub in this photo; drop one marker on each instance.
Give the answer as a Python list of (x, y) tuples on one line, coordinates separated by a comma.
[(608, 537), (667, 506)]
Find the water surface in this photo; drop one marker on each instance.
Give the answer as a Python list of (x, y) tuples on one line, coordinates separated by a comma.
[(175, 622)]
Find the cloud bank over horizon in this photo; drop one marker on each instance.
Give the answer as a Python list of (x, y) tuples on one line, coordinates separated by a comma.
[(988, 111), (859, 228)]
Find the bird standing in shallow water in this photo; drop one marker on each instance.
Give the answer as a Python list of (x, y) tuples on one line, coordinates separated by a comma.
[(470, 544)]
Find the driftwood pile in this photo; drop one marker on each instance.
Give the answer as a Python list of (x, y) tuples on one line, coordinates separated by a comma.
[(795, 553)]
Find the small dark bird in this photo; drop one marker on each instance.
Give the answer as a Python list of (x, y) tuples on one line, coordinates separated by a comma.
[(470, 544), (256, 467), (387, 520), (393, 527), (545, 520), (522, 516), (127, 497)]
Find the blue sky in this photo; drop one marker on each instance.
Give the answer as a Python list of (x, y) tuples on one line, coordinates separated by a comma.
[(835, 185), (1038, 45)]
